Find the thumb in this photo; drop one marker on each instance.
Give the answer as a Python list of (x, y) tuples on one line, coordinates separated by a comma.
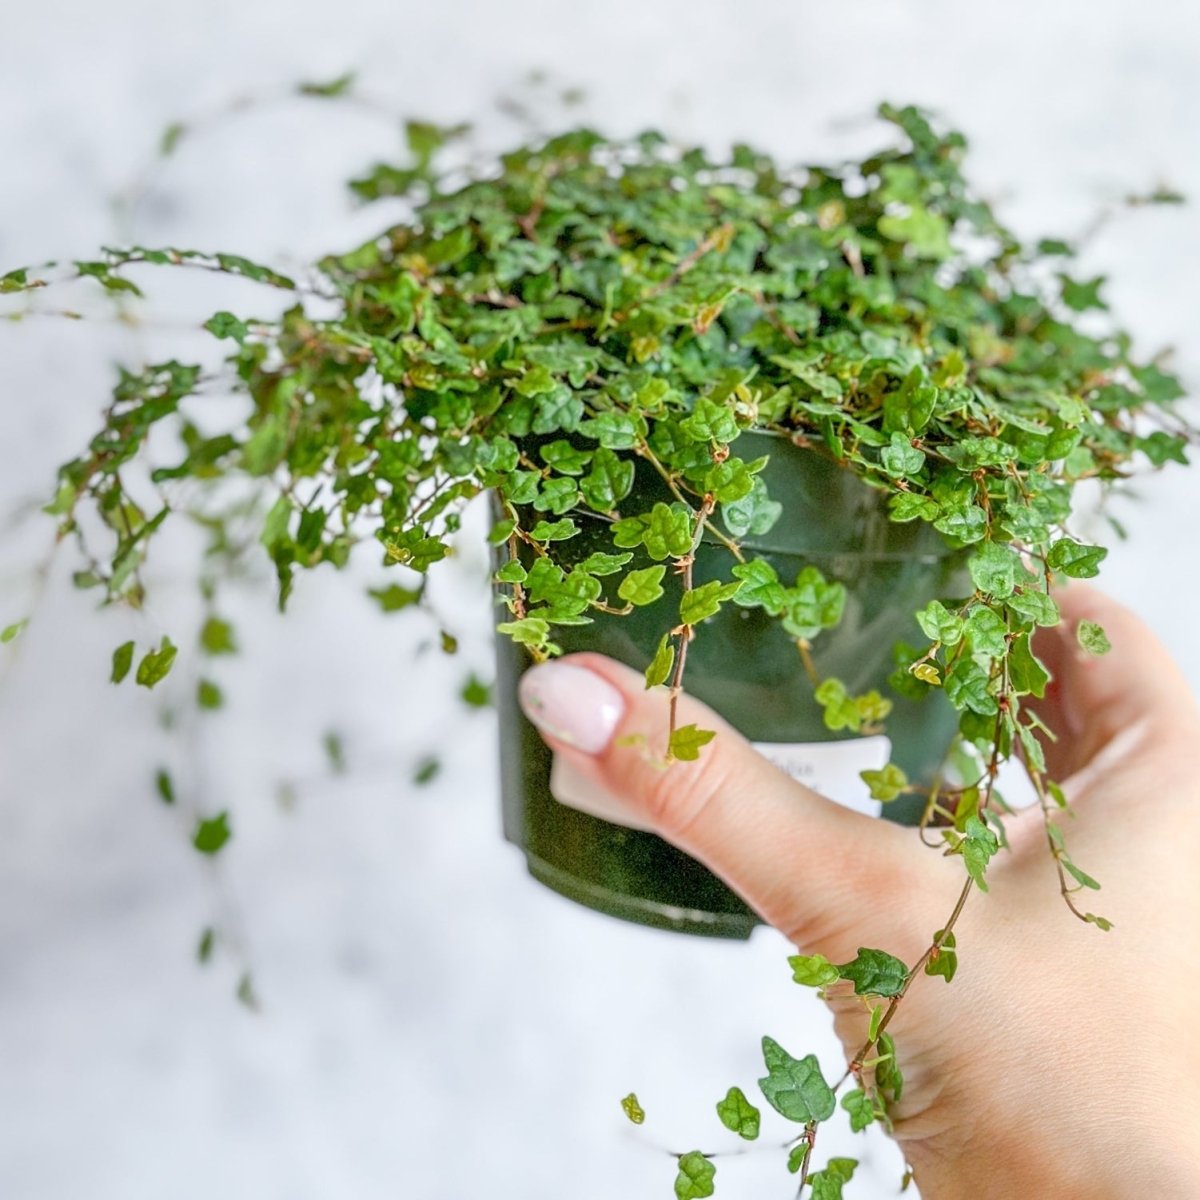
[(798, 859), (1092, 698)]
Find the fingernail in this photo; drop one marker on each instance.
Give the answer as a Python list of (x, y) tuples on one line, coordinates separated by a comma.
[(572, 704)]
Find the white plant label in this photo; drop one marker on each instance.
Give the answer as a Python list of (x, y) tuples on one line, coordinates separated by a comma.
[(832, 768)]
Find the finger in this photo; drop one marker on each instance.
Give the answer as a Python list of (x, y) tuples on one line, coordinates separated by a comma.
[(805, 864), (1135, 687)]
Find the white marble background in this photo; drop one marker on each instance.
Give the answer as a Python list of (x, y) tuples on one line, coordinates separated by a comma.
[(433, 1025)]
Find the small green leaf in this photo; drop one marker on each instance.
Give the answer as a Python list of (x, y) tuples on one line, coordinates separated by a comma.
[(901, 459), (426, 771), (394, 597), (888, 1076), (1027, 674), (695, 1178), (334, 87), (885, 784), (632, 1109), (1035, 606), (554, 531), (599, 563), (840, 710), (978, 847), (993, 569), (156, 664), (687, 741), (216, 637), (528, 631), (246, 995), (1093, 638), (335, 751), (662, 662), (501, 531), (760, 586), (208, 695), (944, 961), (211, 833), (226, 325), (204, 948), (813, 604), (698, 604), (164, 787), (827, 1184), (967, 687), (1074, 559), (1079, 297), (171, 137), (812, 970), (1081, 877), (738, 1114), (609, 481), (12, 631), (875, 973), (511, 572), (924, 232), (795, 1087), (968, 524), (796, 1157), (860, 1108), (122, 661), (642, 587), (873, 1025), (939, 624), (476, 693)]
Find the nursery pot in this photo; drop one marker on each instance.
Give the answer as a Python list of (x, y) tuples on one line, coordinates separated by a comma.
[(745, 666)]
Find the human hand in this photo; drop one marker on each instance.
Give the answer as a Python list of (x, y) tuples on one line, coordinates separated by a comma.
[(1062, 1060)]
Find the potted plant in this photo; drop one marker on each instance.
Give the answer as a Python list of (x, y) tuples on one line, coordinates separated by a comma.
[(801, 439)]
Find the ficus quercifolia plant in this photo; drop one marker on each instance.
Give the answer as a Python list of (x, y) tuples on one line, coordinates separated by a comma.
[(537, 327)]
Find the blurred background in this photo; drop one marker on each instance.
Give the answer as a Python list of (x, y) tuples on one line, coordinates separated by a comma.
[(417, 1018)]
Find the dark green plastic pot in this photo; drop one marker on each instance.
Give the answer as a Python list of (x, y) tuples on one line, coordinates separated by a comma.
[(744, 665)]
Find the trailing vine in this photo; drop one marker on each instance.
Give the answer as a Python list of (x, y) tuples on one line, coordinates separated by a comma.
[(539, 328)]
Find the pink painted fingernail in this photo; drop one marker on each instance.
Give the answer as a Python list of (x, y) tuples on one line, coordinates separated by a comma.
[(573, 704)]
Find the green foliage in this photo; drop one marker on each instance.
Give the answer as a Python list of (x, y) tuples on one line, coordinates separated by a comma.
[(643, 586), (887, 783), (155, 664), (122, 661), (978, 847), (1093, 638), (858, 1105), (475, 693), (632, 1109), (795, 1087), (164, 786), (943, 960), (660, 666), (875, 973), (827, 1183), (703, 602), (10, 632), (889, 1079), (687, 741), (211, 833), (813, 970), (738, 1114), (695, 1178)]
